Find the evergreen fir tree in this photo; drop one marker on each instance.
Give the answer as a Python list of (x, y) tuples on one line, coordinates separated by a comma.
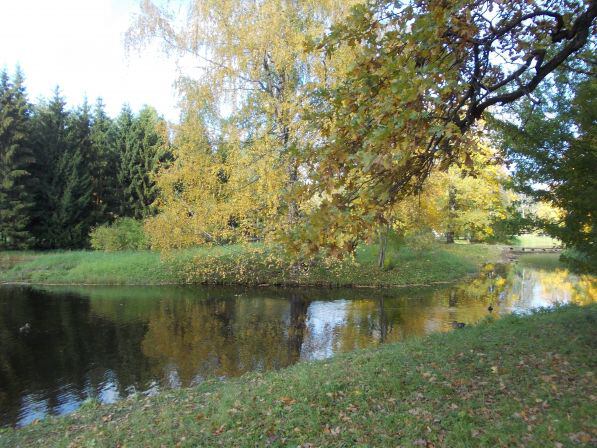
[(124, 137), (49, 144), (65, 208), (77, 211), (16, 159), (143, 147), (105, 164)]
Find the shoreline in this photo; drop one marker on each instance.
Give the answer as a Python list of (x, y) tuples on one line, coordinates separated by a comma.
[(263, 285), (238, 266)]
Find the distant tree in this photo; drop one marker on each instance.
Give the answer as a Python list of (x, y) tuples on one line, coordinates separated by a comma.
[(144, 146), (64, 172), (77, 210), (16, 159), (49, 142), (65, 208), (252, 56), (124, 136), (552, 141), (474, 198), (106, 195)]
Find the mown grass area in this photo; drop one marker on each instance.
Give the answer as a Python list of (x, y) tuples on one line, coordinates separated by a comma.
[(249, 265), (517, 381), (535, 240)]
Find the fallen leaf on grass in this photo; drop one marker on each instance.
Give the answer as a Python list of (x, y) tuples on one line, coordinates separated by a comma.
[(332, 431), (287, 401), (352, 408), (271, 438), (580, 437)]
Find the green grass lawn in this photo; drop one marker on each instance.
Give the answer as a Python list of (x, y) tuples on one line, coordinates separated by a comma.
[(535, 240), (88, 267), (247, 265), (516, 381)]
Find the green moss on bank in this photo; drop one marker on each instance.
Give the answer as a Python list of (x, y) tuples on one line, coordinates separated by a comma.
[(248, 266), (518, 381)]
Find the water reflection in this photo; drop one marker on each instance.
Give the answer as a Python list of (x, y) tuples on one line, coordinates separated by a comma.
[(110, 342)]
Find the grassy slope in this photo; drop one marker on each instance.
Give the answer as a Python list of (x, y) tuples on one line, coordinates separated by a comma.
[(514, 382), (10, 259), (89, 267), (440, 263)]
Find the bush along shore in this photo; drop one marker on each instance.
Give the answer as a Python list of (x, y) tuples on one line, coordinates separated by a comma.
[(517, 381), (247, 265)]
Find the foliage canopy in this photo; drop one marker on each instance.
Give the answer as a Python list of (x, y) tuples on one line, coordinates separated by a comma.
[(413, 97)]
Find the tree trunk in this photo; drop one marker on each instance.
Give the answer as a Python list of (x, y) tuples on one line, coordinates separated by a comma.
[(450, 237), (293, 209), (383, 245), (451, 214)]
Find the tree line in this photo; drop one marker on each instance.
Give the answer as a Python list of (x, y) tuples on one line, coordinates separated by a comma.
[(63, 172), (323, 124), (347, 114)]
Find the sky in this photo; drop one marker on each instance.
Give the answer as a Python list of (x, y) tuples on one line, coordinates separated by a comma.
[(78, 45)]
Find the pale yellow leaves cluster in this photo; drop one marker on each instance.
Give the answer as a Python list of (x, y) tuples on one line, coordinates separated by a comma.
[(480, 199), (246, 88), (211, 195)]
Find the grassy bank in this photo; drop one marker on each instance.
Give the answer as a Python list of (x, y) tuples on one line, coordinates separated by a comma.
[(518, 381), (247, 265)]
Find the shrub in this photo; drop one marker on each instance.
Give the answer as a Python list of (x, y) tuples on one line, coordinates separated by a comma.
[(123, 234), (579, 261)]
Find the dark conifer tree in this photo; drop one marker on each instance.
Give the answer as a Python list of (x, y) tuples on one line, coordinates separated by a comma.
[(124, 137), (106, 193), (77, 211), (50, 144), (16, 159), (63, 172), (144, 147)]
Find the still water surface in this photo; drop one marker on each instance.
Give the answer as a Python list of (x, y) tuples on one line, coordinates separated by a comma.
[(110, 342)]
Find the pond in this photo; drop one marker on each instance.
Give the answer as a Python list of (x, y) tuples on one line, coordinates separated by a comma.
[(110, 342)]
